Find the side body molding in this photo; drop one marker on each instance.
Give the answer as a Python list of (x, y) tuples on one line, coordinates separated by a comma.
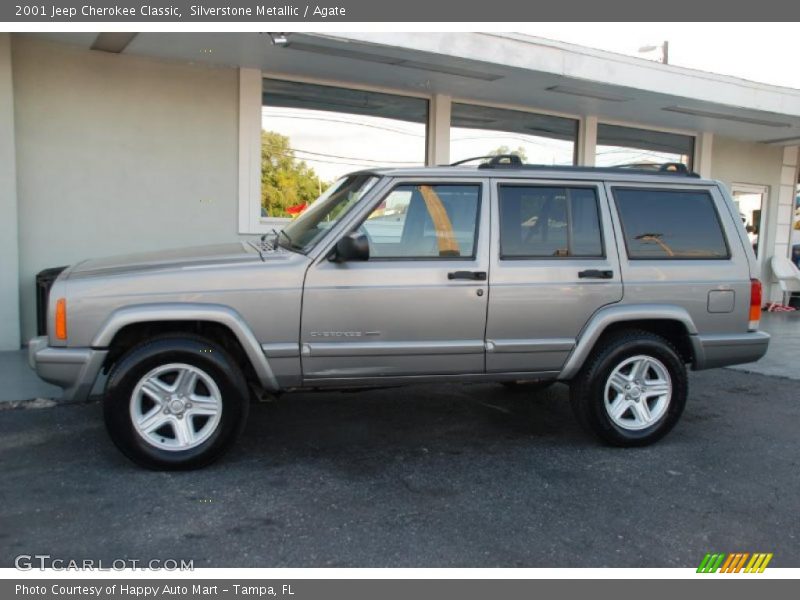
[(619, 313), (217, 313)]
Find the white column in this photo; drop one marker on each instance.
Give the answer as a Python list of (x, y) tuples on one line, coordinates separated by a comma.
[(438, 150), (9, 224), (784, 217), (250, 83), (786, 194), (704, 145), (587, 142)]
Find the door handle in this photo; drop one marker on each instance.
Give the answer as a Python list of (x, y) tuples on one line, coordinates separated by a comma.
[(595, 274), (474, 275)]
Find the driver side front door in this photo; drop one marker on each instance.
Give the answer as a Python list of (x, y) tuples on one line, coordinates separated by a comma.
[(418, 305)]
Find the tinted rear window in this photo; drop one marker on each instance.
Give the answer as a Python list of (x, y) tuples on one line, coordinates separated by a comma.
[(670, 224), (546, 222)]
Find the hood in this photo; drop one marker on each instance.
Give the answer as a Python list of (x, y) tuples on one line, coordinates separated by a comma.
[(170, 259)]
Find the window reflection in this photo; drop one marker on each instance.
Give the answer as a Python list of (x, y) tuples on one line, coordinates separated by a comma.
[(314, 134), (424, 221), (667, 224), (536, 138), (641, 148)]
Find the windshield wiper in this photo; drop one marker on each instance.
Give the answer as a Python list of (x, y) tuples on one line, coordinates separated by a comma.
[(292, 245), (276, 235)]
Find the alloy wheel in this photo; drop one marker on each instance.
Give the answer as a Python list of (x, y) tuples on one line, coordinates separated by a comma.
[(638, 392), (176, 407)]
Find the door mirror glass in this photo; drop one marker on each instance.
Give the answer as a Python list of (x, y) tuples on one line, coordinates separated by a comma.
[(353, 246)]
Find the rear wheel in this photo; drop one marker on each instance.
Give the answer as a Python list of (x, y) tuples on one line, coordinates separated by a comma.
[(632, 390), (175, 402)]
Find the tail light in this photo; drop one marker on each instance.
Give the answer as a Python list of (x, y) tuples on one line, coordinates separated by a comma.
[(61, 319), (755, 304)]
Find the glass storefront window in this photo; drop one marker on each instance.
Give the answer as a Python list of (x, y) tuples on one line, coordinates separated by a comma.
[(643, 148), (312, 135), (536, 138)]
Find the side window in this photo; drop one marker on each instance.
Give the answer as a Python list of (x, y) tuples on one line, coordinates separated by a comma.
[(425, 221), (670, 224), (539, 222)]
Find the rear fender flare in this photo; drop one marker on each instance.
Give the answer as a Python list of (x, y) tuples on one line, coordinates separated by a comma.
[(611, 315)]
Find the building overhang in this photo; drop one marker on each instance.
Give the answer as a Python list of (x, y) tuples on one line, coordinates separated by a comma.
[(501, 69)]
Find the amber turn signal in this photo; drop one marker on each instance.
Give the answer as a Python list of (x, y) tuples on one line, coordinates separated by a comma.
[(61, 319)]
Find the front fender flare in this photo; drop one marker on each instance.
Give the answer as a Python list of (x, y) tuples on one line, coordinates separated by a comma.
[(617, 313), (216, 313)]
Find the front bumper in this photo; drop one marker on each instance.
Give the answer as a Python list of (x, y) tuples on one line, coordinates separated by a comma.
[(73, 369)]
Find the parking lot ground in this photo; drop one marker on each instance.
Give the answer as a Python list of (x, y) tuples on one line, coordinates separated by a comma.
[(425, 476)]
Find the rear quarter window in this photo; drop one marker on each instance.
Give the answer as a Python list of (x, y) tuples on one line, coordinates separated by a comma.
[(670, 224)]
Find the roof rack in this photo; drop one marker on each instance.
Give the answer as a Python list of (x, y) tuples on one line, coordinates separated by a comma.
[(667, 167), (513, 161), (493, 159)]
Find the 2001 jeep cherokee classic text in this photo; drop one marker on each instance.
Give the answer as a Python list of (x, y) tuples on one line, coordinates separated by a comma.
[(613, 280)]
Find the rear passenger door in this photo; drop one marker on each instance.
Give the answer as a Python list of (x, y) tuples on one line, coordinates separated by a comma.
[(553, 264)]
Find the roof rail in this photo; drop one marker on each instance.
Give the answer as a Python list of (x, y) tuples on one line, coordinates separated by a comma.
[(513, 161), (667, 167)]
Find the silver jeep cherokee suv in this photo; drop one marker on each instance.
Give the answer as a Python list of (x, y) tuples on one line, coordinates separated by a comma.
[(612, 280)]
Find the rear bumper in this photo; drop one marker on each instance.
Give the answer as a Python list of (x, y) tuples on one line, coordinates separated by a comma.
[(72, 369), (724, 350)]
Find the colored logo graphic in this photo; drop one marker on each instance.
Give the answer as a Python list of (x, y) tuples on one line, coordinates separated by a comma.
[(738, 562)]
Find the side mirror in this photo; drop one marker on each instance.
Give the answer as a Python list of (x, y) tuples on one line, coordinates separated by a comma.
[(353, 246)]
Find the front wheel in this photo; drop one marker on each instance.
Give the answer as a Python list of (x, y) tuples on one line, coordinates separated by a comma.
[(175, 402), (632, 390)]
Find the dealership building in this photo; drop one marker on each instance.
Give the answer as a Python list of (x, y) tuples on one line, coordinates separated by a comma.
[(119, 143)]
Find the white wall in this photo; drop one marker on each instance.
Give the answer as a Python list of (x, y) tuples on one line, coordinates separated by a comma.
[(735, 161), (9, 257), (118, 154)]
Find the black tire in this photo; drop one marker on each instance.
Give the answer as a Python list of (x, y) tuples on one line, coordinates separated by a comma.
[(199, 353), (588, 389)]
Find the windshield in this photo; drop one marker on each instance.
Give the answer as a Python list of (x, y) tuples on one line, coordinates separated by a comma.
[(307, 229)]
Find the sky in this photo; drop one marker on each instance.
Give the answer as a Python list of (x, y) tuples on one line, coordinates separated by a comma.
[(763, 52), (334, 144)]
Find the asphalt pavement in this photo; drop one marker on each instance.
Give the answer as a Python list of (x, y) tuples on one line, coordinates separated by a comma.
[(424, 476)]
